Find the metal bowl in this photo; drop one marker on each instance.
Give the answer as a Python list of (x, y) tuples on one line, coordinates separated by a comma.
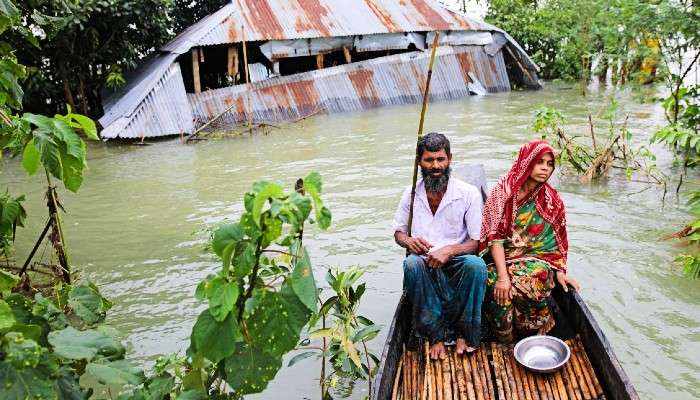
[(542, 354)]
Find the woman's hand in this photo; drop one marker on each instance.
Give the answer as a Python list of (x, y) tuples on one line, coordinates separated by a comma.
[(502, 293), (565, 280)]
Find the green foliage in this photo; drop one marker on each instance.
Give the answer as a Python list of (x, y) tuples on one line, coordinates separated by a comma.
[(12, 215), (632, 37), (691, 265), (345, 333), (45, 348)]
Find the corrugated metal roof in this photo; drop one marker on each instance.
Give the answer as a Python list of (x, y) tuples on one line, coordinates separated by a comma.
[(397, 79), (164, 111), (297, 19)]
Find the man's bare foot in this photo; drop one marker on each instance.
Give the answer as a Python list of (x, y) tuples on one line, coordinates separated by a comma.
[(437, 351), (461, 347)]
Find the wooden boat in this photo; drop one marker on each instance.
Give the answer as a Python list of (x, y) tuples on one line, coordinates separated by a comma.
[(574, 322)]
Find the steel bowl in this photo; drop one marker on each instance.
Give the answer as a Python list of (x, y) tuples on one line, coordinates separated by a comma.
[(542, 354)]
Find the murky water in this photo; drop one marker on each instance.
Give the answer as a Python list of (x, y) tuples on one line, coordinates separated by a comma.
[(133, 228)]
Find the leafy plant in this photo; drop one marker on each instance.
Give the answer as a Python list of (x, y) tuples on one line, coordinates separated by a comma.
[(12, 215), (47, 343), (344, 333)]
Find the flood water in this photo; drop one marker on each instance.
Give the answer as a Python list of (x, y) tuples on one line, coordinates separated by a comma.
[(135, 229)]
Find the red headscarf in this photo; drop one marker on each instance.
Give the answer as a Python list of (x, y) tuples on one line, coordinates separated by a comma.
[(500, 208)]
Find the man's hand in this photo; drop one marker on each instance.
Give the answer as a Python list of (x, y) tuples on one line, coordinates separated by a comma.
[(417, 245), (439, 257)]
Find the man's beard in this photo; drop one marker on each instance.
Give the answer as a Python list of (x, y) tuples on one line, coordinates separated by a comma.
[(435, 184)]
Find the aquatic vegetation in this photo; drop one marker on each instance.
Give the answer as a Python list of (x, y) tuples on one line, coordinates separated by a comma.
[(584, 156), (343, 333)]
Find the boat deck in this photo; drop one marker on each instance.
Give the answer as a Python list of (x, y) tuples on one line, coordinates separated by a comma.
[(493, 373)]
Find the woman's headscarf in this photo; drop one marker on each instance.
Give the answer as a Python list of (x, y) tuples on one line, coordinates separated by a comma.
[(500, 208)]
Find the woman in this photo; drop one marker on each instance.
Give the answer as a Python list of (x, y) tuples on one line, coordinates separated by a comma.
[(524, 228)]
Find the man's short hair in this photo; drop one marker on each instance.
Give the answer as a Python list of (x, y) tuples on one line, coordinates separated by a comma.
[(433, 141)]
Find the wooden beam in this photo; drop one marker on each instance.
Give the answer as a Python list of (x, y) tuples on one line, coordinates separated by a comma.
[(319, 61), (232, 62), (348, 56), (195, 70)]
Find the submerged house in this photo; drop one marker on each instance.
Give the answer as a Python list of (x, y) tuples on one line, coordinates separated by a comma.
[(306, 56)]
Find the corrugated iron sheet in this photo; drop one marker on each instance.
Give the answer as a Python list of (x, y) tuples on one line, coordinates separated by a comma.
[(297, 19), (397, 79), (164, 111)]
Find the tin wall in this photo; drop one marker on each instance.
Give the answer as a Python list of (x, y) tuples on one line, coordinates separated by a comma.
[(164, 111), (397, 79)]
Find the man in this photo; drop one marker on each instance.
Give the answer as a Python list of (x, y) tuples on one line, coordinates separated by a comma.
[(443, 280)]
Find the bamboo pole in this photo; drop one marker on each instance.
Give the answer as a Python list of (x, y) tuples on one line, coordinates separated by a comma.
[(54, 215), (462, 386), (470, 360), (195, 70), (420, 131), (446, 379), (404, 375), (533, 387), (468, 377), (397, 379), (563, 395), (486, 371), (515, 389), (517, 60), (499, 372), (541, 388), (589, 373), (416, 378), (578, 373), (523, 379), (553, 385), (438, 380), (232, 64), (424, 373), (590, 123), (247, 82), (568, 369)]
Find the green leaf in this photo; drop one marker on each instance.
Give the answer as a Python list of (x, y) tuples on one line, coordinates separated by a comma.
[(8, 9), (312, 186), (8, 280), (192, 395), (222, 297), (160, 386), (67, 386), (31, 158), (276, 319), (88, 304), (21, 352), (86, 124), (120, 372), (46, 309), (301, 356), (28, 383), (72, 169), (7, 318), (224, 236), (302, 278), (74, 144), (366, 333), (213, 339), (85, 345), (50, 155), (249, 369), (312, 182), (244, 259), (29, 331), (265, 191)]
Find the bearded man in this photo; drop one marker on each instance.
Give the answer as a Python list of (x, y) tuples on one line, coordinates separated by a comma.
[(444, 281)]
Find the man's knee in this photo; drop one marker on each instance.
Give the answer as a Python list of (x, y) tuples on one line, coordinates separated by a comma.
[(413, 264), (474, 265)]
